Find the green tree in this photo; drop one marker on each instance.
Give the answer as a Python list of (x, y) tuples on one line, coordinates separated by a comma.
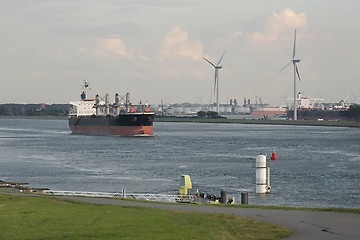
[(212, 114), (201, 114)]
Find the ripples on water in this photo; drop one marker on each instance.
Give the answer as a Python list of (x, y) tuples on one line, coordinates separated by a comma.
[(318, 166)]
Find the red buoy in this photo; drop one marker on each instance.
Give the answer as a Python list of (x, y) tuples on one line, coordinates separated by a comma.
[(274, 156)]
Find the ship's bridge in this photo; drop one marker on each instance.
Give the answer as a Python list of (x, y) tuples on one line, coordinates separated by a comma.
[(82, 108)]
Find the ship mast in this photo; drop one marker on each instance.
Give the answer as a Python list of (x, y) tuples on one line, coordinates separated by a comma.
[(85, 87)]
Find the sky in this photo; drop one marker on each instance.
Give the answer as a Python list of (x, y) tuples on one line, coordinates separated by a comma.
[(154, 49)]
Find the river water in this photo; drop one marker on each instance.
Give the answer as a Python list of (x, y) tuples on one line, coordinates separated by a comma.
[(317, 166)]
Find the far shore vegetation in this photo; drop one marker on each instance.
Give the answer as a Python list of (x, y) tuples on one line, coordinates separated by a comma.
[(60, 111)]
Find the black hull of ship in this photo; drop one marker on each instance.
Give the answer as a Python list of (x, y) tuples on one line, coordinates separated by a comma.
[(304, 114), (122, 125)]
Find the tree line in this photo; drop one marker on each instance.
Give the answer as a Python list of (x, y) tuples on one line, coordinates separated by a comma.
[(14, 109), (354, 112)]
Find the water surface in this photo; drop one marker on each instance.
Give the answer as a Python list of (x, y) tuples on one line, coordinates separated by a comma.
[(317, 166)]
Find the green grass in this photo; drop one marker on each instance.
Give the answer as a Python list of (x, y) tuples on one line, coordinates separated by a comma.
[(27, 217)]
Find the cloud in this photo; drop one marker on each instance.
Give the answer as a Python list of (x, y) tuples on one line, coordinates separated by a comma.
[(111, 46), (287, 18), (262, 36), (176, 43), (276, 24)]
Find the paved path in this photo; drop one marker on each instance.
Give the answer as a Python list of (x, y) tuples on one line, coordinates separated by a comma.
[(304, 224)]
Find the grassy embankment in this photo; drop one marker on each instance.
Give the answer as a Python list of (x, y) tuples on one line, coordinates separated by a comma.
[(28, 217)]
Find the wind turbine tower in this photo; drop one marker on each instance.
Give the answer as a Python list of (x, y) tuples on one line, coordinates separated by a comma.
[(294, 61), (216, 83)]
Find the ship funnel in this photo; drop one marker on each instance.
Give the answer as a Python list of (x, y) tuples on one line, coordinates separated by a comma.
[(83, 95)]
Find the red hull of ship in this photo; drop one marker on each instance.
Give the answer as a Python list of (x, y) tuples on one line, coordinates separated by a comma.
[(113, 130)]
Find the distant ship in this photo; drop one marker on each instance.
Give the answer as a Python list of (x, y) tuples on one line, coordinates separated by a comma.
[(268, 112), (309, 110), (318, 114), (98, 117)]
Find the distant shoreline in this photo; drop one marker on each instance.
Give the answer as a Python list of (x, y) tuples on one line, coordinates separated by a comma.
[(259, 121), (42, 117), (217, 120)]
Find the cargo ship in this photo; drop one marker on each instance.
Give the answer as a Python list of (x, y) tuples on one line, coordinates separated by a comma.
[(268, 112), (319, 115), (96, 116)]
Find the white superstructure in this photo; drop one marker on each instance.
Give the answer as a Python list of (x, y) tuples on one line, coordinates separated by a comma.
[(82, 108)]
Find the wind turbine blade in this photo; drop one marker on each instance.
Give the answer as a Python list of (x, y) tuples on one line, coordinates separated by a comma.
[(297, 72), (293, 57), (221, 58), (285, 66), (209, 62), (216, 78)]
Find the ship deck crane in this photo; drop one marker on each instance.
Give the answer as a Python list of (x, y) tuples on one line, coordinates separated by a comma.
[(262, 108)]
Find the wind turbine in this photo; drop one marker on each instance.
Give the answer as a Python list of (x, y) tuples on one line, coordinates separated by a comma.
[(294, 61), (216, 83)]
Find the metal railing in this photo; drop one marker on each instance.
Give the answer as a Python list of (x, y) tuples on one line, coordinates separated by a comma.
[(138, 196)]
